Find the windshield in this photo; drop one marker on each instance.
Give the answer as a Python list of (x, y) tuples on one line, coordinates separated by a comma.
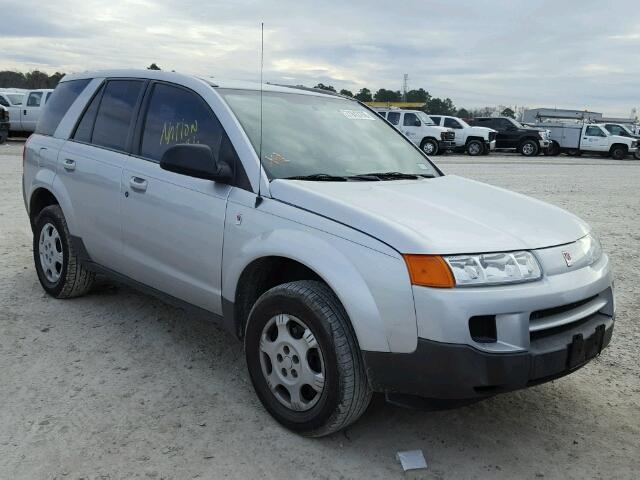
[(516, 123), (15, 98), (425, 119), (309, 134)]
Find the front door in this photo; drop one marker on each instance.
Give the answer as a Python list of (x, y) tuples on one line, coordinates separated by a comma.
[(594, 139), (411, 127), (30, 111), (173, 224)]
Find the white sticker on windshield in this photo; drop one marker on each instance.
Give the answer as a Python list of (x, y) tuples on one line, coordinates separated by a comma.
[(422, 166), (356, 115)]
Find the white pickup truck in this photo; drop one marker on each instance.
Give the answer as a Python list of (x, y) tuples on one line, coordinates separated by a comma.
[(420, 129), (574, 139), (25, 112), (473, 140)]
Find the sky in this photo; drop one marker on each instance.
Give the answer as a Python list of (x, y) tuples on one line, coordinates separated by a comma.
[(567, 54)]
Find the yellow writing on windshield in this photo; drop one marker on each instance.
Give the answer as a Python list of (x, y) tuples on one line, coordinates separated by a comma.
[(179, 132)]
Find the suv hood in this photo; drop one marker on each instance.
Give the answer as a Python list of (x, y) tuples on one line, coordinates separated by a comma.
[(444, 215), (621, 139), (481, 130)]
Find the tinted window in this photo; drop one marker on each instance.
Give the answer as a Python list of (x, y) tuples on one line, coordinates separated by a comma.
[(411, 120), (85, 127), (115, 113), (436, 120), (393, 117), (56, 108), (616, 130), (176, 115), (34, 99), (452, 123), (382, 114), (46, 98), (3, 102), (595, 132)]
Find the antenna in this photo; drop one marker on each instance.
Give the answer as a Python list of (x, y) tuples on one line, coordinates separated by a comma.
[(259, 197)]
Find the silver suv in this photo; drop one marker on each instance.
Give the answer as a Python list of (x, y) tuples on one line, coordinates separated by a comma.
[(317, 234)]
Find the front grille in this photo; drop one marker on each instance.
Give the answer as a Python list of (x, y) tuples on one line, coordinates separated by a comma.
[(492, 136), (448, 135), (556, 320), (547, 312)]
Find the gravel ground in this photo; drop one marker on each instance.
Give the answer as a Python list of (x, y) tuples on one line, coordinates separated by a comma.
[(119, 385)]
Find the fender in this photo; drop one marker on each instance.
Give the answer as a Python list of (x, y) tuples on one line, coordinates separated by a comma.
[(60, 192), (390, 326)]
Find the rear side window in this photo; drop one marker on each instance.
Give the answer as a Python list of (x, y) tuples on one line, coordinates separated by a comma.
[(115, 113), (174, 116), (84, 129), (393, 117), (61, 99)]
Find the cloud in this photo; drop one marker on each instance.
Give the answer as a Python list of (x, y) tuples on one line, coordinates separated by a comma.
[(568, 54)]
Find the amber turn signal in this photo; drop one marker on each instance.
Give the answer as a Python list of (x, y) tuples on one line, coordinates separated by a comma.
[(429, 271)]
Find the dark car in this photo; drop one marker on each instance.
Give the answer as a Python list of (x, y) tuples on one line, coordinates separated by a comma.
[(513, 135), (4, 124)]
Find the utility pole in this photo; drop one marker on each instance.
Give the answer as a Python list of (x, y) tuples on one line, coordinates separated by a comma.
[(404, 87)]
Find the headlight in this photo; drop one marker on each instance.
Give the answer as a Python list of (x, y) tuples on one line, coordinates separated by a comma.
[(470, 270), (589, 248), (494, 268)]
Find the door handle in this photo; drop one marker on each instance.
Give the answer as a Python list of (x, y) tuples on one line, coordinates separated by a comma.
[(25, 112), (138, 183), (69, 164)]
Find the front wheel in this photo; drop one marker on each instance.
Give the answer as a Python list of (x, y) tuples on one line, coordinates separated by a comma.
[(303, 359), (618, 153), (475, 147), (553, 149), (429, 146), (529, 148)]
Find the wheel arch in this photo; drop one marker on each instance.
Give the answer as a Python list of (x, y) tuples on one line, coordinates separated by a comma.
[(289, 255), (40, 198), (623, 145), (474, 137)]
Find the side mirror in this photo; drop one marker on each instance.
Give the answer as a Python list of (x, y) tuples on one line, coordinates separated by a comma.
[(195, 160)]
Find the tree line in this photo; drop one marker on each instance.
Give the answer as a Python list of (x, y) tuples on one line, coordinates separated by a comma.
[(432, 105)]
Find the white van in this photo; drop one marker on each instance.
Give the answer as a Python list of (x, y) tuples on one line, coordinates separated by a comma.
[(420, 129)]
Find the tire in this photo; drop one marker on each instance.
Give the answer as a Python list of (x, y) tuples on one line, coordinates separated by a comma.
[(529, 148), (3, 137), (59, 270), (279, 315), (637, 154), (553, 150), (429, 146), (475, 148), (618, 153)]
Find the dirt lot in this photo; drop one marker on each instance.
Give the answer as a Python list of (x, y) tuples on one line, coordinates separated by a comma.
[(120, 385)]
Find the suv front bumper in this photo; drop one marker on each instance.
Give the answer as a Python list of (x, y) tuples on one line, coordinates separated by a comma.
[(446, 144), (448, 371)]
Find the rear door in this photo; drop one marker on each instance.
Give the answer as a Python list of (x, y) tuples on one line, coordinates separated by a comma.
[(90, 167), (30, 111), (172, 224)]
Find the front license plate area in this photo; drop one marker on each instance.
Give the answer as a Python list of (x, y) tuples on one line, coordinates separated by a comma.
[(580, 349)]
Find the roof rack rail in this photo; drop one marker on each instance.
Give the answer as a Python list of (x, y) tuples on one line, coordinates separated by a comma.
[(311, 89)]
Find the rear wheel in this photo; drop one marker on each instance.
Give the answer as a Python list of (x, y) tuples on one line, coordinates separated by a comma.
[(303, 359), (529, 148), (475, 147), (553, 149), (429, 146), (59, 270)]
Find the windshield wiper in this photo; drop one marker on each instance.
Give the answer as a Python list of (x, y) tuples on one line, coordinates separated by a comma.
[(319, 177), (387, 176)]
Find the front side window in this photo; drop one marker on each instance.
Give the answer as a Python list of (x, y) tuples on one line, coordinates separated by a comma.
[(34, 99), (436, 120), (317, 134), (4, 102), (452, 123), (595, 132), (176, 115), (56, 108), (393, 117), (616, 130), (411, 120), (114, 116)]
